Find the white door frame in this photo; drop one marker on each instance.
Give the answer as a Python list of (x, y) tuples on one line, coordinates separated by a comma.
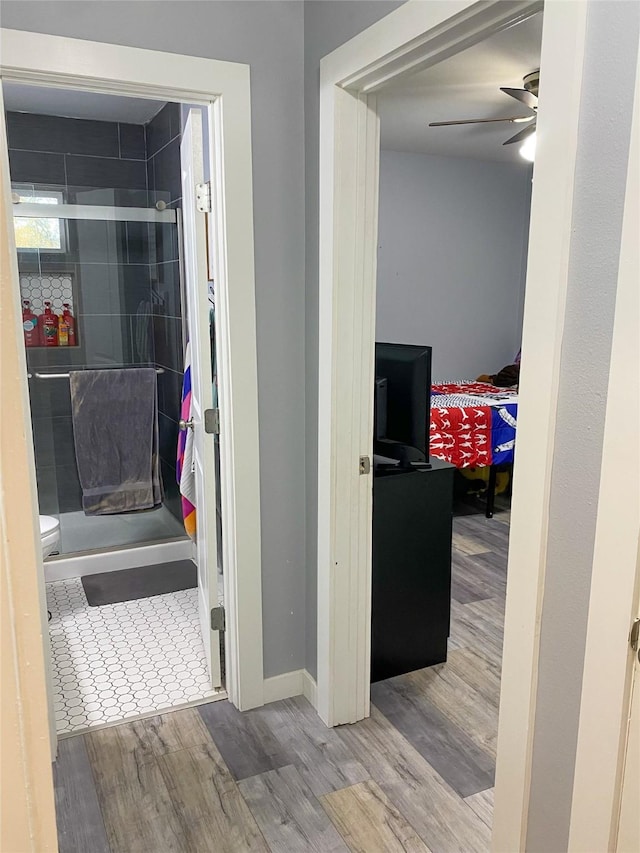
[(224, 89), (615, 580), (414, 37)]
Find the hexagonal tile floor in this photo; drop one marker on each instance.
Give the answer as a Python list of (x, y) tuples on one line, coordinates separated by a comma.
[(122, 660)]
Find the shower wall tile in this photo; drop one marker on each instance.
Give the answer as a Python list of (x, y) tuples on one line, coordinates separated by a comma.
[(28, 260), (114, 340), (167, 340), (162, 128), (47, 491), (165, 289), (164, 183), (132, 141), (97, 288), (56, 359), (168, 432), (171, 490), (116, 196), (63, 441), (63, 135), (43, 442), (134, 287), (89, 241), (138, 242), (163, 153), (69, 489), (49, 398), (165, 236), (167, 173), (169, 391), (34, 167), (39, 398), (99, 172)]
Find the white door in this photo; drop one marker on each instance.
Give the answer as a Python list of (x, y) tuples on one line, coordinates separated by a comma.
[(629, 824), (198, 320)]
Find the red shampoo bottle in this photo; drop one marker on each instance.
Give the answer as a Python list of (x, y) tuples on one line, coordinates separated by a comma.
[(49, 327), (30, 325)]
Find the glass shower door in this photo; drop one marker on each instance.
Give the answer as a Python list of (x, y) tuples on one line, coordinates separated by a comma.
[(117, 270)]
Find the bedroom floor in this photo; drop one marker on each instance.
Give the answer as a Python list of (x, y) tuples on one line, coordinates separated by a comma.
[(417, 775)]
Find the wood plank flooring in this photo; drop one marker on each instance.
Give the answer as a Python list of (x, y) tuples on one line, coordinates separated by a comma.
[(416, 776)]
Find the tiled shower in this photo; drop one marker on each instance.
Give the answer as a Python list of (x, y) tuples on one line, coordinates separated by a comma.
[(121, 278)]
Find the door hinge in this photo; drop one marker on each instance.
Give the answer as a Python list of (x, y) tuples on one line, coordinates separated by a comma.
[(634, 635), (203, 197), (212, 421), (365, 465), (217, 619)]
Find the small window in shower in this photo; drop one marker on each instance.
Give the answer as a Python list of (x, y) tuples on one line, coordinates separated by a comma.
[(33, 232)]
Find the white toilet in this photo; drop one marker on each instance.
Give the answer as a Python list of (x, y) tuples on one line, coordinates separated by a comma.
[(49, 534)]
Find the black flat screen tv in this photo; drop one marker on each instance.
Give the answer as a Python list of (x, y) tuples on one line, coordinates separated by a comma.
[(406, 371)]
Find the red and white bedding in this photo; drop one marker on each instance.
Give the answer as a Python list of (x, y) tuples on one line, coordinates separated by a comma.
[(467, 420)]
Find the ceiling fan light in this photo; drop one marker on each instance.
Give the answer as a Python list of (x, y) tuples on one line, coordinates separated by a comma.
[(528, 148)]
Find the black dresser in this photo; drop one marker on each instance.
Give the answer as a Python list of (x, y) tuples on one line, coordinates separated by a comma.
[(411, 578)]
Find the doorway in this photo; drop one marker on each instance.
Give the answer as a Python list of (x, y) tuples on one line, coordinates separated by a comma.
[(411, 39), (109, 291), (145, 236)]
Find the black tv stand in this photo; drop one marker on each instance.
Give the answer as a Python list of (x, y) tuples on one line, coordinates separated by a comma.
[(411, 578)]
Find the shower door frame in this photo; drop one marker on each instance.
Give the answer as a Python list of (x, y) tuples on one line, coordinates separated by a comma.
[(223, 88)]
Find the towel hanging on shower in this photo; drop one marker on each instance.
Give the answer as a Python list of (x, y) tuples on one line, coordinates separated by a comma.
[(185, 472), (115, 431)]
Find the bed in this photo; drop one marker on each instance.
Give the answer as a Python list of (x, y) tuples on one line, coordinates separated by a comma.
[(473, 425)]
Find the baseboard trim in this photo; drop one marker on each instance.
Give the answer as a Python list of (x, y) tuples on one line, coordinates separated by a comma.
[(295, 683), (62, 568), (309, 688)]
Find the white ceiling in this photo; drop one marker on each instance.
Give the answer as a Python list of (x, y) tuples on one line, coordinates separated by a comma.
[(72, 103), (465, 86)]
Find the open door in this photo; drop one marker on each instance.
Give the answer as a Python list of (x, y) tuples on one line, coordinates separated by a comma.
[(203, 415)]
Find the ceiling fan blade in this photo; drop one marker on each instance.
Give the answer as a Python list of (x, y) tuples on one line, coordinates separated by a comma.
[(522, 134), (479, 121), (522, 95)]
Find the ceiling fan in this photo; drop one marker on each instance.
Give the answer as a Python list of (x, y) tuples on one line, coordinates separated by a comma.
[(527, 96)]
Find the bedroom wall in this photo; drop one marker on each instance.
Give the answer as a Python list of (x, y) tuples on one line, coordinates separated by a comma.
[(452, 241), (269, 36)]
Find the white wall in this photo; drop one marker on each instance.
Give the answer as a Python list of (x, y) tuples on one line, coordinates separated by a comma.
[(452, 241)]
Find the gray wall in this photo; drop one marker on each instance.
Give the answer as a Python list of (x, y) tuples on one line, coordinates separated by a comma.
[(327, 25), (601, 168), (268, 36), (452, 242)]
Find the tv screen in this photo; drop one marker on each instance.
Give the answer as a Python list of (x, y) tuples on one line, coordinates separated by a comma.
[(407, 371)]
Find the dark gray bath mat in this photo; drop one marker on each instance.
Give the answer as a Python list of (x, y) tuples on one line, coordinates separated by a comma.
[(143, 582)]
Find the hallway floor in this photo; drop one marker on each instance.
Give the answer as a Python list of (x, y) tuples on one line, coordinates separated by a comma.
[(417, 775)]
